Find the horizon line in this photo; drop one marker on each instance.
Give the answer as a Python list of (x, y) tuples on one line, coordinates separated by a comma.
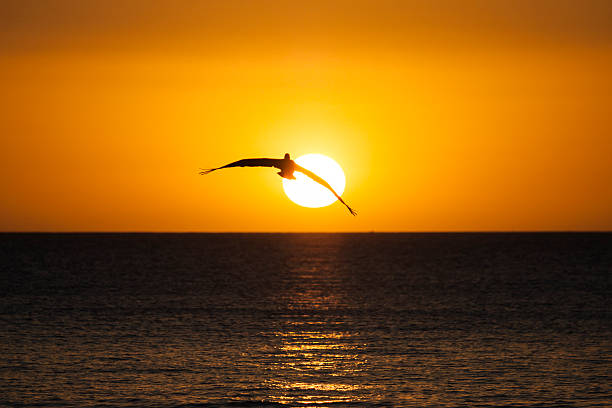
[(314, 232)]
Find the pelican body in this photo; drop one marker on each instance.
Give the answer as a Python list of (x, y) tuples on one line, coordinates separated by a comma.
[(286, 166)]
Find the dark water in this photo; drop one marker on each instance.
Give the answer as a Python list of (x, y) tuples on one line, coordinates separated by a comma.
[(415, 320)]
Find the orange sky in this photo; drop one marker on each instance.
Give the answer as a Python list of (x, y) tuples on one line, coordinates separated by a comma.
[(448, 115)]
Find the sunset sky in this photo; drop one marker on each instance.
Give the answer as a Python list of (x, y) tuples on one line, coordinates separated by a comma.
[(445, 115)]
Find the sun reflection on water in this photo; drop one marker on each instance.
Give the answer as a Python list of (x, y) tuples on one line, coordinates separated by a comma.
[(317, 368), (318, 358)]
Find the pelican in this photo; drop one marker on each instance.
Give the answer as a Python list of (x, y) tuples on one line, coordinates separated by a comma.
[(286, 167)]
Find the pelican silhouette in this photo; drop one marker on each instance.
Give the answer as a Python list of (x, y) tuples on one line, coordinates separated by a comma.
[(286, 167)]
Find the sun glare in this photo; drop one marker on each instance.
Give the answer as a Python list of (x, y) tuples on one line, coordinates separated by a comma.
[(308, 193)]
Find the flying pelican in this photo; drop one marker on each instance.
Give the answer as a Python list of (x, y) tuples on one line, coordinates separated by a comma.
[(286, 167)]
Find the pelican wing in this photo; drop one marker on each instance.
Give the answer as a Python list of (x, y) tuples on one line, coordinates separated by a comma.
[(324, 184), (248, 163)]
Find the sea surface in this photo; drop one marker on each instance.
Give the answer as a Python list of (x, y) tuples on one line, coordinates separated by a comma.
[(306, 320)]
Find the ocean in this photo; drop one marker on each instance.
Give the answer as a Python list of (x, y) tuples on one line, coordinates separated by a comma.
[(306, 320)]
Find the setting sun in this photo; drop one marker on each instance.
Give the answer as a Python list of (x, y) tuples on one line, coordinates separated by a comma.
[(308, 193)]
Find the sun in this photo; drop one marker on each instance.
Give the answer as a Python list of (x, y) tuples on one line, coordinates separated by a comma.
[(308, 193)]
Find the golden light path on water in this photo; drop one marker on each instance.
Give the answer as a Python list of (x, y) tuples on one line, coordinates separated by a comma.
[(317, 361), (321, 366)]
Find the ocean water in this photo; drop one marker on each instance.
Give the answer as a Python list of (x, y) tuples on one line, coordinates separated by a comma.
[(305, 320)]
